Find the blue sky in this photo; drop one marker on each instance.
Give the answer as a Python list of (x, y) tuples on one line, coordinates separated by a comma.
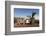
[(24, 11)]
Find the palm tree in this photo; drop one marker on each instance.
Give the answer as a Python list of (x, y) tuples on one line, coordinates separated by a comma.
[(32, 19)]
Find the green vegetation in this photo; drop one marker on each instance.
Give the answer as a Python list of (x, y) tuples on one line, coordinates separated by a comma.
[(32, 18)]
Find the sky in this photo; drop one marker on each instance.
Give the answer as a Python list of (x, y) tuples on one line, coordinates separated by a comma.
[(24, 11)]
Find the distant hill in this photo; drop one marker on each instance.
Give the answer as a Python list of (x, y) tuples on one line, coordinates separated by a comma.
[(36, 17)]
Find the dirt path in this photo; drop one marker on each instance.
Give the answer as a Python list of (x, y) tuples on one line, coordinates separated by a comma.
[(27, 25)]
